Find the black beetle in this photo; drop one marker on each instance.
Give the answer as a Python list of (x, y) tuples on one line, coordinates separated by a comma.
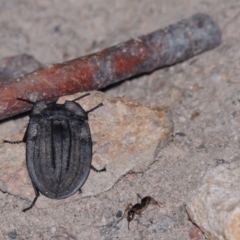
[(59, 148)]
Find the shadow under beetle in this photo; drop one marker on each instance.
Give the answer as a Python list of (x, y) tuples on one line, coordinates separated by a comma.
[(137, 208), (58, 148)]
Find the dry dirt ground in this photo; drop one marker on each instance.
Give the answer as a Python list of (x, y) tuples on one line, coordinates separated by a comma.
[(202, 93)]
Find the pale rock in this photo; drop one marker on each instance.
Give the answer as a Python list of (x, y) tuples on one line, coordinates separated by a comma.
[(215, 204), (127, 137)]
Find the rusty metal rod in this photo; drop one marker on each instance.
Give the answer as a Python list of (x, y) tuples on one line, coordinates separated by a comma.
[(161, 48)]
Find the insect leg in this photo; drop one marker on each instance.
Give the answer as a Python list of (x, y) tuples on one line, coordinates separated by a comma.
[(12, 142), (153, 201), (138, 219), (130, 214), (98, 170), (34, 200), (139, 197), (25, 135), (16, 142)]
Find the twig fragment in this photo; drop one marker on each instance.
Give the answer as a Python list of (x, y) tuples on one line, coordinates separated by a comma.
[(161, 48)]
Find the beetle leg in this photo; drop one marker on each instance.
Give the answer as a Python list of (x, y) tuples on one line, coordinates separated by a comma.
[(25, 135), (16, 142), (33, 202), (12, 142), (98, 170)]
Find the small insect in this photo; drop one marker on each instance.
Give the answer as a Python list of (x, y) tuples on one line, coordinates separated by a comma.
[(137, 208), (58, 148)]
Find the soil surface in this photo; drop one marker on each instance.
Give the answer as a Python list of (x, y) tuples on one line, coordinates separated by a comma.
[(202, 93)]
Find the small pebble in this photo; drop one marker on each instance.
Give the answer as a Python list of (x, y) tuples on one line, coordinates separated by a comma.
[(119, 214), (13, 234)]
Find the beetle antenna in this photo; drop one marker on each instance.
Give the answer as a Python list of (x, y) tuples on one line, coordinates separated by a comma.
[(25, 100), (87, 94), (99, 105)]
